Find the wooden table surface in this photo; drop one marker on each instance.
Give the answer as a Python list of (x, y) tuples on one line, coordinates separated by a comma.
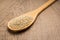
[(46, 27)]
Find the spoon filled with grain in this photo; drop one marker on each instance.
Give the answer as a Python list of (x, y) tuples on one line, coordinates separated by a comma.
[(24, 21)]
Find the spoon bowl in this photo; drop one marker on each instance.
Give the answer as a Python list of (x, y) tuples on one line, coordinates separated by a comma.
[(21, 22)]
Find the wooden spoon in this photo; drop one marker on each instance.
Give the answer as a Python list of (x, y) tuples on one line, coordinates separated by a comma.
[(24, 21)]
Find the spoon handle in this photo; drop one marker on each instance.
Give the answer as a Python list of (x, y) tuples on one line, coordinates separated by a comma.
[(44, 6)]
